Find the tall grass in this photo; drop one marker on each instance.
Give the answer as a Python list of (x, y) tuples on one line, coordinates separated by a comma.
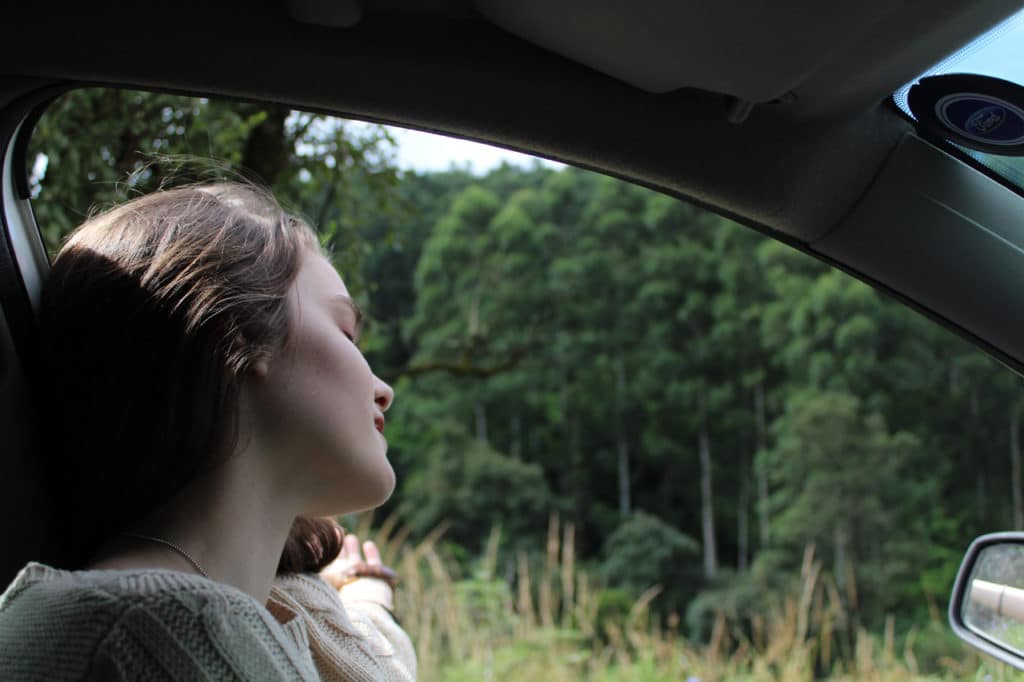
[(545, 622)]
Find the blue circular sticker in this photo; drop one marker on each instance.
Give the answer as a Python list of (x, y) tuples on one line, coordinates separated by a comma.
[(982, 118)]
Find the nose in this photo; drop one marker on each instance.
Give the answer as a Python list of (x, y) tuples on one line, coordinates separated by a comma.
[(383, 394)]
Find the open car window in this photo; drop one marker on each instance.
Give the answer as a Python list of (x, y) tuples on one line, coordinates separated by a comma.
[(630, 435)]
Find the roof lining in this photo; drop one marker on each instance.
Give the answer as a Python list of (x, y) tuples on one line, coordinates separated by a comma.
[(796, 176)]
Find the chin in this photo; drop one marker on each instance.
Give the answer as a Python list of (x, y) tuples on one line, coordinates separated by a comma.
[(387, 488), (372, 494)]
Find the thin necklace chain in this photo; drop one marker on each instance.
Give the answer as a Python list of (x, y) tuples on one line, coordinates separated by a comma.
[(173, 546)]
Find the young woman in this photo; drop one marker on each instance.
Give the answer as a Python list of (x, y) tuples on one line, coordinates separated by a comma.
[(208, 407)]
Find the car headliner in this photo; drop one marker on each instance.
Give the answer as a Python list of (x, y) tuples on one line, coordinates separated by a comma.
[(796, 165)]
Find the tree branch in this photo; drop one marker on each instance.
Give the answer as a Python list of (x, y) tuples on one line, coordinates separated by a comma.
[(461, 367)]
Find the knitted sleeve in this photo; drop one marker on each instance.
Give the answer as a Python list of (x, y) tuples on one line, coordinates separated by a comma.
[(351, 641), (142, 625), (389, 628), (197, 636)]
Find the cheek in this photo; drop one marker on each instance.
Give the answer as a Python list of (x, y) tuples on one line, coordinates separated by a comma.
[(319, 350), (324, 377), (338, 378), (343, 370)]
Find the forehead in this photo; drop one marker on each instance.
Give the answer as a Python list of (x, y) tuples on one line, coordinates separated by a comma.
[(317, 279)]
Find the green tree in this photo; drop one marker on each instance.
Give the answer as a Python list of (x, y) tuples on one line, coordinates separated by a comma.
[(645, 552), (839, 479), (98, 146)]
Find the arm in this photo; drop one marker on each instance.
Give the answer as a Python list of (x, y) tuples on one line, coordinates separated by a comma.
[(348, 639), (381, 616), (348, 618)]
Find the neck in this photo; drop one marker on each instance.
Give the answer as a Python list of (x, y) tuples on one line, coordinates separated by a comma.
[(232, 521)]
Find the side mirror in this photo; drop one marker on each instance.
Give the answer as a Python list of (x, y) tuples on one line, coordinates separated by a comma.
[(987, 606)]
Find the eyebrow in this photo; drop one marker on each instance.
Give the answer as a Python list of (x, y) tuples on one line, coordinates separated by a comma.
[(356, 310)]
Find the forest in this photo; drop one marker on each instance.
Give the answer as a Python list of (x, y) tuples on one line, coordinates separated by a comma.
[(629, 433)]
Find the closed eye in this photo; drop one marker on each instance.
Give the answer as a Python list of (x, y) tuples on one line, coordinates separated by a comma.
[(350, 309)]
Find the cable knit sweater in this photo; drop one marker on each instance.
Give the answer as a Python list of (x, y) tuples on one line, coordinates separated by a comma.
[(154, 624)]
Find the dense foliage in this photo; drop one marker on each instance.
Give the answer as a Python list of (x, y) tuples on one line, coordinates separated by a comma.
[(700, 402)]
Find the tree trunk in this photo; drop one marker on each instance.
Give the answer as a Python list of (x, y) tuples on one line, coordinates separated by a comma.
[(980, 511), (839, 541), (516, 447), (580, 483), (567, 469), (762, 472), (480, 413), (622, 444), (707, 518), (1018, 497), (268, 148), (742, 520), (624, 502)]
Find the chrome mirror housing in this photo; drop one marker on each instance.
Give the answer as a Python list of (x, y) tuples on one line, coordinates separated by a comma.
[(987, 606)]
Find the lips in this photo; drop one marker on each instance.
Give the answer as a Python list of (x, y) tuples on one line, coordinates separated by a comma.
[(378, 423)]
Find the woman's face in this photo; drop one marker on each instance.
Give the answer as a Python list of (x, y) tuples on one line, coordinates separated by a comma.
[(318, 405)]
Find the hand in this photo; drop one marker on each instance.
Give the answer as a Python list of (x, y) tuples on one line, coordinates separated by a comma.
[(361, 579)]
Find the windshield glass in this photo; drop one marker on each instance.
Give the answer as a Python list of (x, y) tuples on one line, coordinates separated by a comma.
[(998, 53)]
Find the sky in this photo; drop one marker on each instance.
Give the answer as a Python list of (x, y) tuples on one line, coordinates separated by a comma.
[(427, 152), (997, 53)]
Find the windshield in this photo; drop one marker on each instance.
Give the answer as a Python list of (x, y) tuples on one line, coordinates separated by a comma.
[(998, 53)]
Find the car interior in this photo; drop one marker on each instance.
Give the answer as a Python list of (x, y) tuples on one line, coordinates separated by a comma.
[(780, 117)]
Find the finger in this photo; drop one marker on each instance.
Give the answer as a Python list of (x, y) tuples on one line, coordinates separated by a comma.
[(352, 546), (372, 553)]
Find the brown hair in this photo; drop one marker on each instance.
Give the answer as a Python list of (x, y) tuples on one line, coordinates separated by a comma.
[(152, 314)]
